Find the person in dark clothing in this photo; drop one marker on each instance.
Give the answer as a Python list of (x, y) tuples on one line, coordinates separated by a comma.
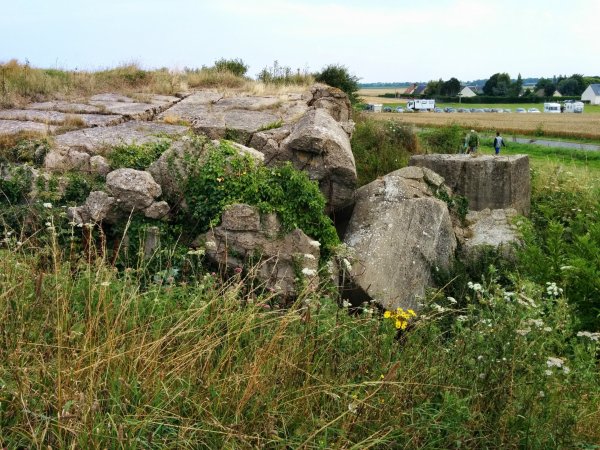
[(472, 142), (498, 142)]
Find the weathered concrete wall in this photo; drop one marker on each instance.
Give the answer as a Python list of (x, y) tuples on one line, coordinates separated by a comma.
[(494, 182)]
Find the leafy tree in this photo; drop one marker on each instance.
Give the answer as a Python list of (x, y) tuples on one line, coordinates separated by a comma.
[(548, 85), (568, 86), (515, 88), (235, 66), (338, 76), (434, 87), (498, 84), (451, 87)]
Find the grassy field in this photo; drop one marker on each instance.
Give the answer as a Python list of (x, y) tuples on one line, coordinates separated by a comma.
[(585, 126)]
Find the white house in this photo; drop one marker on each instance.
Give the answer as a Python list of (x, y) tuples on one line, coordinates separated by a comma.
[(592, 94), (467, 91)]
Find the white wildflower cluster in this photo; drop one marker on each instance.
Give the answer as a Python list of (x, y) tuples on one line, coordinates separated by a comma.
[(592, 336), (536, 322), (47, 205), (552, 289), (462, 318), (309, 272), (486, 322), (346, 265), (210, 245), (368, 309), (452, 300), (508, 296), (556, 362), (533, 323), (475, 286), (353, 408), (197, 252), (438, 308), (309, 256), (346, 304), (316, 244)]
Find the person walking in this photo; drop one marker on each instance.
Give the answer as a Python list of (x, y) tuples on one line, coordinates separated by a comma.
[(498, 142), (472, 142)]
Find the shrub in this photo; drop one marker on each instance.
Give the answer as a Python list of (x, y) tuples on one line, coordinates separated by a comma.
[(138, 157), (448, 139), (381, 147), (235, 66), (15, 184), (284, 75), (224, 177), (338, 76), (32, 151)]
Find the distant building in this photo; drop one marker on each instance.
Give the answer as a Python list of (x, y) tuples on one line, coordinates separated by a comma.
[(592, 94), (410, 89), (420, 89), (542, 93), (469, 91)]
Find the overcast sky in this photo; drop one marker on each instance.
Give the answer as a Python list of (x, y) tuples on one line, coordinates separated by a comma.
[(385, 40)]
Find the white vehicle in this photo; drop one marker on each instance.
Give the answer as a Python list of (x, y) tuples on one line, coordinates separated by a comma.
[(552, 108), (573, 107), (421, 105), (374, 107)]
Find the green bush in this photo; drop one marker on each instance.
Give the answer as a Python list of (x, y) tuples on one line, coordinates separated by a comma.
[(138, 157), (15, 184), (449, 139), (235, 66), (380, 147), (222, 177), (32, 151), (338, 76)]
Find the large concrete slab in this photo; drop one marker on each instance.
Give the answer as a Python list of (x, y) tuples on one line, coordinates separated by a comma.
[(131, 108), (96, 140), (61, 118), (494, 182), (220, 116), (11, 127), (66, 107)]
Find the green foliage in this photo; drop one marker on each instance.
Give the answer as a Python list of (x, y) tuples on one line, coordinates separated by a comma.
[(284, 75), (498, 85), (381, 147), (235, 66), (15, 184), (78, 187), (174, 365), (272, 125), (448, 139), (561, 242), (338, 76), (224, 177), (450, 87), (32, 151), (458, 204), (138, 157)]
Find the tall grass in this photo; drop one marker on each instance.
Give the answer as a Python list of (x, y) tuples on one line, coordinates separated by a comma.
[(21, 84), (90, 359), (380, 147)]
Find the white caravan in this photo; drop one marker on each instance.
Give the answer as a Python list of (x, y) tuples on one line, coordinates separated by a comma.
[(552, 108), (421, 105)]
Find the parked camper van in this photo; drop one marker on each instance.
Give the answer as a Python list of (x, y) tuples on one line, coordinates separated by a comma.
[(552, 108), (573, 107), (421, 105), (374, 107)]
